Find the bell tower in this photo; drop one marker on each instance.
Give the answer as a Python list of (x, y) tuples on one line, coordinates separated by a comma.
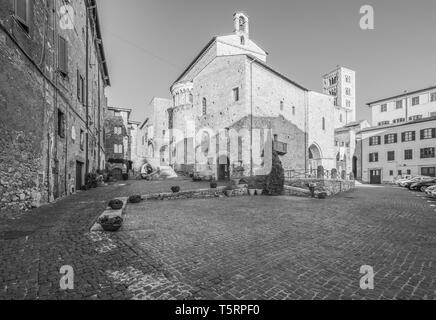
[(241, 26)]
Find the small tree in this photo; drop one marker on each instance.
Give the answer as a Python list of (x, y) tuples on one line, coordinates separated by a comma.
[(276, 178)]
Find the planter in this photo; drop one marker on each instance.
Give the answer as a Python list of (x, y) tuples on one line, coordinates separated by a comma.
[(111, 224), (259, 192), (115, 204), (135, 199), (228, 193), (322, 195), (252, 192), (175, 189)]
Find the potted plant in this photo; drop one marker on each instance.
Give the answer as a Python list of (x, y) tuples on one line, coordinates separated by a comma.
[(135, 199), (175, 189), (110, 223), (228, 191), (115, 204), (213, 185), (251, 189), (259, 192)]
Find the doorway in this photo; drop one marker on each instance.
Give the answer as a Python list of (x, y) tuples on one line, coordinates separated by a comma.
[(223, 168), (79, 174), (355, 167), (375, 176)]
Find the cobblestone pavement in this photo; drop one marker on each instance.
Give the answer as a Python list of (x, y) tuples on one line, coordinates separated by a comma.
[(225, 248)]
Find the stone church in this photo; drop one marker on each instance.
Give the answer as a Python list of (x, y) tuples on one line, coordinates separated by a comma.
[(230, 109)]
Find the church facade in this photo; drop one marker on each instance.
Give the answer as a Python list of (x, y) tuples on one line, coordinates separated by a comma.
[(230, 110)]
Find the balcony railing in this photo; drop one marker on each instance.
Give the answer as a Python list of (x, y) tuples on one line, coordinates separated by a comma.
[(280, 147)]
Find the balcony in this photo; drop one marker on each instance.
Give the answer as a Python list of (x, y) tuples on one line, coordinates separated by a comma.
[(280, 147)]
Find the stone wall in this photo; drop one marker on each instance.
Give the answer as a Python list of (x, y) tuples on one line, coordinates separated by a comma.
[(332, 187)]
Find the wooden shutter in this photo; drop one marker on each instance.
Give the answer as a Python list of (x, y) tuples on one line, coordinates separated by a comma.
[(63, 55), (395, 138), (422, 134), (386, 139), (413, 135), (403, 136), (433, 133)]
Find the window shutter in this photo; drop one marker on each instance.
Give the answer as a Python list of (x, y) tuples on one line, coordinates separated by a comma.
[(422, 134), (386, 139), (413, 135), (21, 10), (433, 133), (62, 55), (403, 137), (395, 138), (371, 141)]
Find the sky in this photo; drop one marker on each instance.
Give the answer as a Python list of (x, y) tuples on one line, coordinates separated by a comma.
[(148, 43)]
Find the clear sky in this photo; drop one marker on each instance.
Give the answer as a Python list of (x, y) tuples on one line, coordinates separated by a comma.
[(148, 43)]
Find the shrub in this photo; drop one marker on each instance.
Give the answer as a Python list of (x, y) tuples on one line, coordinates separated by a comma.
[(110, 223), (135, 199), (115, 204), (320, 172), (213, 185), (276, 179), (125, 176), (175, 189), (334, 174), (91, 180)]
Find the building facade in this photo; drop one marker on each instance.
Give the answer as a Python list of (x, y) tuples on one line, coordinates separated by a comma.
[(52, 74), (229, 109), (408, 106), (396, 150)]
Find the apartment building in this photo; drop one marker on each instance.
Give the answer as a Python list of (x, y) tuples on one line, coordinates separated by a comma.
[(399, 149), (408, 106)]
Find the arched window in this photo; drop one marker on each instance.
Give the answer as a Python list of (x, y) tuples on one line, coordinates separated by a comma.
[(242, 41), (191, 98), (204, 104), (242, 24), (281, 105), (323, 123)]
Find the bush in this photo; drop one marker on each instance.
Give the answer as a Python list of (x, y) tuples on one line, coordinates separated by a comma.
[(125, 176), (115, 204), (213, 185), (110, 223), (276, 179), (91, 180), (175, 189), (135, 199)]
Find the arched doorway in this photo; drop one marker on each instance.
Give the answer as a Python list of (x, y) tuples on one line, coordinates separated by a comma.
[(315, 158)]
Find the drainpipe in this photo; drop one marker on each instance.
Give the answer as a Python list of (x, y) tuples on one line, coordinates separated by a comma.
[(87, 91), (251, 118)]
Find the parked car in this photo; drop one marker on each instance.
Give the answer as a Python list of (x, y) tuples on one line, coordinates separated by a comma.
[(400, 179), (422, 185), (408, 183), (429, 190)]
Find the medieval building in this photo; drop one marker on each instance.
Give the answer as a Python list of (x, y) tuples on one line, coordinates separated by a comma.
[(230, 109), (52, 79)]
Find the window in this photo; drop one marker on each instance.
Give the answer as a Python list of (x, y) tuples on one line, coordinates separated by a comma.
[(383, 123), (428, 133), (399, 120), (433, 96), (399, 104), (63, 56), (348, 103), (118, 148), (21, 8), (348, 79), (82, 139), (191, 98), (242, 41), (163, 132), (375, 141), (391, 155), (204, 104), (281, 105), (61, 124), (391, 172), (409, 171), (384, 108), (427, 153), (336, 143), (236, 94), (293, 111), (428, 171), (323, 123), (373, 157), (118, 130), (413, 118), (348, 91), (400, 172), (340, 118), (80, 87), (408, 154), (242, 24), (415, 101), (391, 138)]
